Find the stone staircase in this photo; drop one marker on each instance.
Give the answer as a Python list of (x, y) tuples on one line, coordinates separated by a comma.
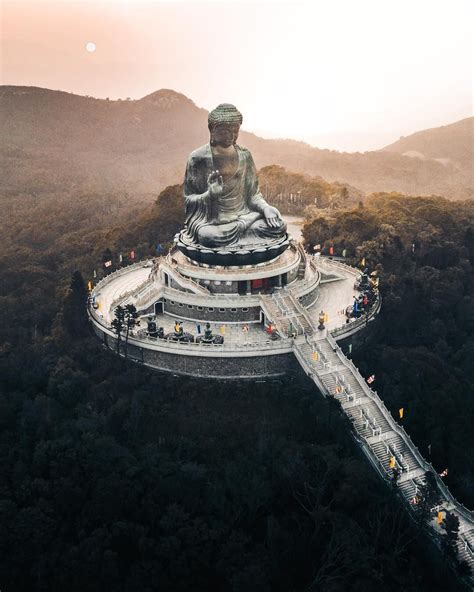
[(381, 438)]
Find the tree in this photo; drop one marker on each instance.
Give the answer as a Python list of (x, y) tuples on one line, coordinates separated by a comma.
[(428, 495), (130, 319), (74, 307), (118, 324), (451, 525)]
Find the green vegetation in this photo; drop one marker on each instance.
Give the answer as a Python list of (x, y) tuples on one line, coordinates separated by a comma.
[(292, 192), (423, 249), (113, 477), (55, 142)]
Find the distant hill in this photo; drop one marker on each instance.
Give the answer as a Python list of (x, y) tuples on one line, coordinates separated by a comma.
[(452, 143), (57, 141)]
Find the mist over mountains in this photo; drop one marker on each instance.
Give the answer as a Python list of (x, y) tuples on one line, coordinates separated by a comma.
[(54, 140)]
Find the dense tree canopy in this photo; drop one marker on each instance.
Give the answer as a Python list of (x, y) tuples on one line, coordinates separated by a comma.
[(423, 251), (113, 477)]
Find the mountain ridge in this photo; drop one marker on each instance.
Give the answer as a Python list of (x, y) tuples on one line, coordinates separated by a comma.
[(142, 145)]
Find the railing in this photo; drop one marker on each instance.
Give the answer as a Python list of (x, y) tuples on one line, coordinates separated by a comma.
[(153, 292), (183, 280), (118, 272), (124, 295), (363, 320), (252, 347), (302, 311), (332, 263), (400, 430)]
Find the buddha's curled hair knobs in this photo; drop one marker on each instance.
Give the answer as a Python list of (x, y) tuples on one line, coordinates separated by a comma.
[(224, 113)]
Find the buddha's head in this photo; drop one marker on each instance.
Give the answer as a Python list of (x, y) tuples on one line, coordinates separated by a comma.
[(224, 124)]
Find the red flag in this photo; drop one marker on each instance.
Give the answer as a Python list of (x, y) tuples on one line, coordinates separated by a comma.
[(331, 250), (132, 254), (371, 379)]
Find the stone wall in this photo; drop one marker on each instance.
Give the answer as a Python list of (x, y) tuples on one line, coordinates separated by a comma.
[(250, 367), (220, 287), (308, 299), (212, 314), (292, 275)]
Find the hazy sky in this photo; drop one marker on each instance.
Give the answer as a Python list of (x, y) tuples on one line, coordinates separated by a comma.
[(342, 74)]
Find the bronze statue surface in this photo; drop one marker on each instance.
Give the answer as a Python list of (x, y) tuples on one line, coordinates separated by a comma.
[(225, 211)]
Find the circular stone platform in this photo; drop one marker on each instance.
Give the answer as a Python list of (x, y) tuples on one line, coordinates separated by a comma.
[(262, 311)]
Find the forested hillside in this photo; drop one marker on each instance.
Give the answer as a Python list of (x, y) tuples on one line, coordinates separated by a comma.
[(58, 142), (423, 251), (114, 477), (452, 143)]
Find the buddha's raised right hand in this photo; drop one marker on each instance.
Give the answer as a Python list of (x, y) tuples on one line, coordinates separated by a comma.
[(215, 184)]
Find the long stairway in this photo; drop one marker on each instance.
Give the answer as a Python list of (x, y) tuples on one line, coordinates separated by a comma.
[(384, 442)]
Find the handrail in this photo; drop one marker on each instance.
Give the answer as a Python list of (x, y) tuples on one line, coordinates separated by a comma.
[(144, 342), (349, 327), (183, 280), (118, 272), (424, 464)]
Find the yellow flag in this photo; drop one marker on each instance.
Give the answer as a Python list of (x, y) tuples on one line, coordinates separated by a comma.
[(392, 462), (315, 356), (362, 263), (439, 518), (326, 318), (223, 329), (400, 411), (89, 286)]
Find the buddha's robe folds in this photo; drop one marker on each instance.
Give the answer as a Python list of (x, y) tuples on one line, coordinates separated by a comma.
[(234, 217)]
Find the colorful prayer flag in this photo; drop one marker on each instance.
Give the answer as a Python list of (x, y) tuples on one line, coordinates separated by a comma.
[(89, 286), (400, 412), (132, 254), (331, 250)]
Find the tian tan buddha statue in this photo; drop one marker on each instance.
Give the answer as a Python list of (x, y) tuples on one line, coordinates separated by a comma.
[(227, 219)]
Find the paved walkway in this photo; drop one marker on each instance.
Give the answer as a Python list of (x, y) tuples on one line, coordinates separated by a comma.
[(332, 299), (117, 287)]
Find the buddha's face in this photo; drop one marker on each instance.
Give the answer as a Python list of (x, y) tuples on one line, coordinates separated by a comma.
[(225, 134)]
